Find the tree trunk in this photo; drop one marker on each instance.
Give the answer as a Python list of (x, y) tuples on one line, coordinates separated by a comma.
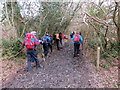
[(12, 5), (6, 13), (118, 34), (118, 30)]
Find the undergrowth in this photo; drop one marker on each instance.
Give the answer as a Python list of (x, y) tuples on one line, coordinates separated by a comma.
[(108, 56), (12, 49)]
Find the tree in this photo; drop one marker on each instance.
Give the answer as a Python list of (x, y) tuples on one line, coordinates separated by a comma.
[(117, 23), (49, 17)]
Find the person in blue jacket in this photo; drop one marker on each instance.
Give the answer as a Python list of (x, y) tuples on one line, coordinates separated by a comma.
[(45, 42), (77, 40)]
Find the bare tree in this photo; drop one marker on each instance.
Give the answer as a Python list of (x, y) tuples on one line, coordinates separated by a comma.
[(117, 23)]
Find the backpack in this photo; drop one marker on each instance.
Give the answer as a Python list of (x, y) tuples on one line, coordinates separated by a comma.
[(49, 40), (76, 38), (46, 39), (57, 36), (29, 41)]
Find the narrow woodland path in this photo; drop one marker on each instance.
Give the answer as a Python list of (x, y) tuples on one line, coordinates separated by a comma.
[(61, 71)]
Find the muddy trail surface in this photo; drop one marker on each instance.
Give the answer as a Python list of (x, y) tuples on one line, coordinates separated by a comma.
[(60, 70)]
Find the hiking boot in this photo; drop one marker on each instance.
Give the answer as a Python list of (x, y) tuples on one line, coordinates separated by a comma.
[(78, 54), (74, 55), (28, 70), (41, 66), (45, 55), (58, 48), (38, 66), (48, 55)]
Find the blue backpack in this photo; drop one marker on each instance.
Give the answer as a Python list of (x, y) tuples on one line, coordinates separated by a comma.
[(46, 39)]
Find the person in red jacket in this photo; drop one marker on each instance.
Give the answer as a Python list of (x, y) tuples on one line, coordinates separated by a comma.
[(62, 37), (31, 43)]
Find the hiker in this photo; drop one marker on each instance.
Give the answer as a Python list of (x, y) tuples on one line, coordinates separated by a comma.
[(49, 41), (57, 40), (46, 40), (77, 39), (62, 37), (81, 44), (71, 34), (31, 51), (34, 36)]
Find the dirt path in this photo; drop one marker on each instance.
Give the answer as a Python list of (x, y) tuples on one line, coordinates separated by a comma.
[(61, 71)]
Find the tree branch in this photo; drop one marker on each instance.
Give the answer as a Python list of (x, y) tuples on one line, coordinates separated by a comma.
[(7, 16), (97, 20), (114, 14), (12, 13), (97, 33), (84, 19)]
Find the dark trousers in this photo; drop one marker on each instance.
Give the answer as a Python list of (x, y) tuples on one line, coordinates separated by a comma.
[(50, 46), (76, 48), (61, 41), (31, 53), (57, 42), (46, 49)]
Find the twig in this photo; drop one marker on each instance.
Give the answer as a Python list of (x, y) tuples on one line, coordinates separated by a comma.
[(16, 54)]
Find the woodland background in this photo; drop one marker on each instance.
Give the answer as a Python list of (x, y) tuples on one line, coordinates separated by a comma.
[(99, 23)]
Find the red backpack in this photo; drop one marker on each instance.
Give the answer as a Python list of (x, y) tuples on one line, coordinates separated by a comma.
[(29, 41), (76, 38)]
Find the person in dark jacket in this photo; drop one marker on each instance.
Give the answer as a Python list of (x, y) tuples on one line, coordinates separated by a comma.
[(60, 37), (71, 34), (45, 39), (50, 41)]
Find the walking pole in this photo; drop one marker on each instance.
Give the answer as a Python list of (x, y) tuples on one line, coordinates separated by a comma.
[(43, 57), (98, 57)]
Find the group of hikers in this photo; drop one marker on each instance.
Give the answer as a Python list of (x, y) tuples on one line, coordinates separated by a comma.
[(31, 42)]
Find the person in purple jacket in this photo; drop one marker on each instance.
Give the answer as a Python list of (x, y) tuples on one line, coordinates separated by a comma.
[(31, 50)]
